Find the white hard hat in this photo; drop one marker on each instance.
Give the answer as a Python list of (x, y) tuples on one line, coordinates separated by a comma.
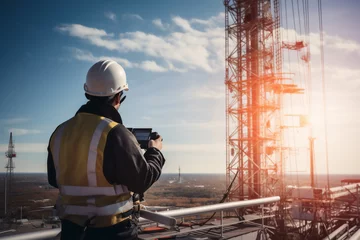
[(105, 78)]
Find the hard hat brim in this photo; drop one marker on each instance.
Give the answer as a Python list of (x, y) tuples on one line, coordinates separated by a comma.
[(105, 94)]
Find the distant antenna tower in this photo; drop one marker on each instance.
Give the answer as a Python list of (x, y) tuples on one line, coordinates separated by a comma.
[(10, 154), (179, 175)]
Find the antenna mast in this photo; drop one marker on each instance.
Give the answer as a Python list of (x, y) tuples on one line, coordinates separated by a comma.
[(10, 166)]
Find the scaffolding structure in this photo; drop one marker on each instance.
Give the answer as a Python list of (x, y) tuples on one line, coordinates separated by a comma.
[(255, 86)]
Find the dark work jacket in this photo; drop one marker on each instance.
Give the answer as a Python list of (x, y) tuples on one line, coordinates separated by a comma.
[(124, 162)]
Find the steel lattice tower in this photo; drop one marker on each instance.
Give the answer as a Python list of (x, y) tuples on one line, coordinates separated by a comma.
[(253, 98), (10, 154)]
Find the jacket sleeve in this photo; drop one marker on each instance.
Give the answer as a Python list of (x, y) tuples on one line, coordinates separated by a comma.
[(124, 162), (51, 172)]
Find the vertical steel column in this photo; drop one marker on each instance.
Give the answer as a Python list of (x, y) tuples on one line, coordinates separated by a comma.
[(358, 203), (312, 172)]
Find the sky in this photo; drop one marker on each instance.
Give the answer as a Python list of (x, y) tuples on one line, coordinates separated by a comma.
[(173, 55)]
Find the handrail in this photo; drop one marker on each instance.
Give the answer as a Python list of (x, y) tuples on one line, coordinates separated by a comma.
[(39, 235), (184, 212), (50, 234)]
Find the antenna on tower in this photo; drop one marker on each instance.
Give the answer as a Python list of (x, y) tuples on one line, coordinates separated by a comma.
[(10, 165)]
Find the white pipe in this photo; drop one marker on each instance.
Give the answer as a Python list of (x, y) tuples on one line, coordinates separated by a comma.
[(336, 192), (155, 217), (7, 231), (46, 234), (342, 188), (336, 232), (216, 207), (352, 229), (347, 233), (356, 235)]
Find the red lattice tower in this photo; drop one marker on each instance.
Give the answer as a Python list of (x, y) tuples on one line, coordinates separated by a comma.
[(253, 98)]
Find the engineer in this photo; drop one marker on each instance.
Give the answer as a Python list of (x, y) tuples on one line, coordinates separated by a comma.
[(97, 164)]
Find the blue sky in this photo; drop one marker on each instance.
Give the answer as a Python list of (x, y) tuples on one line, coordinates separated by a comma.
[(173, 54)]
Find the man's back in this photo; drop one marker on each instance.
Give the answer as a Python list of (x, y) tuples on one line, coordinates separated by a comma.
[(95, 162)]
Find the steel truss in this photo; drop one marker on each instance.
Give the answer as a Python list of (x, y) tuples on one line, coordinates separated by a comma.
[(253, 124)]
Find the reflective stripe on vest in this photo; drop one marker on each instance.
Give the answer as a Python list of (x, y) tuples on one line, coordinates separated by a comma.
[(87, 191), (108, 210), (91, 162)]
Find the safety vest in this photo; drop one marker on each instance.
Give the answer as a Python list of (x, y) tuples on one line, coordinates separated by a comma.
[(77, 147)]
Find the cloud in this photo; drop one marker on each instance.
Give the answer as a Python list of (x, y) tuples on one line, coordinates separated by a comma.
[(26, 147), (150, 66), (14, 120), (97, 37), (89, 57), (189, 44), (175, 69), (348, 74), (77, 30), (84, 55), (111, 16), (133, 16), (184, 49), (213, 124), (330, 42), (196, 148), (212, 21), (205, 92), (158, 23), (187, 49), (339, 43), (184, 24), (20, 131)]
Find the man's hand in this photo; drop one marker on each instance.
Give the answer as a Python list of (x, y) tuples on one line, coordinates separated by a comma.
[(157, 143)]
